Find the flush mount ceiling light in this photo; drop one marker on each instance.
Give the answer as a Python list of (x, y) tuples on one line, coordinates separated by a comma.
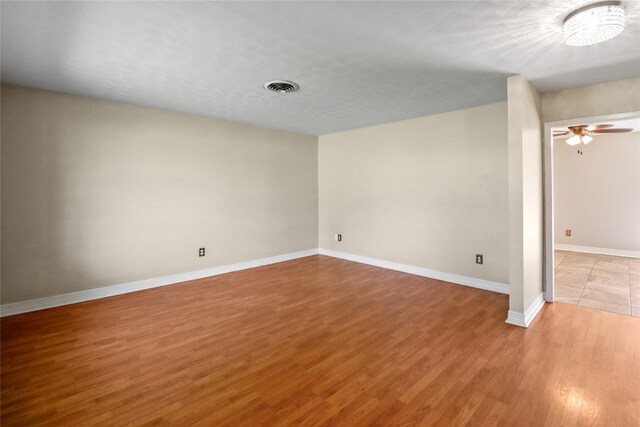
[(594, 24), (281, 86)]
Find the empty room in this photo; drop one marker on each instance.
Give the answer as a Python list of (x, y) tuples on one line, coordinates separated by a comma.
[(596, 192), (320, 213)]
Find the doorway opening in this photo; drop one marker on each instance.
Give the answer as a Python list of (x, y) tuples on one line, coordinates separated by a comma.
[(592, 212)]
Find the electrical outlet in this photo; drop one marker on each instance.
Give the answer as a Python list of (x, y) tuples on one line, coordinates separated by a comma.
[(201, 252), (567, 233), (338, 237), (479, 259)]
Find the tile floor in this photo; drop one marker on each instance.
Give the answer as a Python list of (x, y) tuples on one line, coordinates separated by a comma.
[(608, 283)]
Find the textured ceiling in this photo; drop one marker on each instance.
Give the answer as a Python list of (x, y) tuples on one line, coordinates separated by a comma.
[(358, 63)]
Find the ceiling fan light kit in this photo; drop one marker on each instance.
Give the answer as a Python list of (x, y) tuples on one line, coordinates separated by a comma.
[(574, 140), (584, 133), (594, 23)]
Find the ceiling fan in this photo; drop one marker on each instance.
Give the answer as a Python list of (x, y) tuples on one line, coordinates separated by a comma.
[(583, 133)]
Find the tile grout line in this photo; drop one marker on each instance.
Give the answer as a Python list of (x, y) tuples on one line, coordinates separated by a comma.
[(585, 283)]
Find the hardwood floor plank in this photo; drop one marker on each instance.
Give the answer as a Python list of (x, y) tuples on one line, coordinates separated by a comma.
[(317, 341)]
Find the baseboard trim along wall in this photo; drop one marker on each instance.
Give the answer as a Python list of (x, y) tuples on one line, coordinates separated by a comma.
[(91, 294), (123, 288), (525, 319), (486, 285), (601, 251)]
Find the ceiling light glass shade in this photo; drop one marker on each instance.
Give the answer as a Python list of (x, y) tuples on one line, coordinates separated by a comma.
[(574, 140), (587, 139), (594, 24)]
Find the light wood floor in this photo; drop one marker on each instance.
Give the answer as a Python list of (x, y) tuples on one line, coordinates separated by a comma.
[(605, 282), (318, 341)]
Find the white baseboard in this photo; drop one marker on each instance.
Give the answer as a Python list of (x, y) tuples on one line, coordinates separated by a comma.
[(487, 285), (601, 251), (91, 294), (525, 319)]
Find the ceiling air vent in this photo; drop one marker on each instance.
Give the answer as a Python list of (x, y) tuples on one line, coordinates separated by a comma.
[(281, 86)]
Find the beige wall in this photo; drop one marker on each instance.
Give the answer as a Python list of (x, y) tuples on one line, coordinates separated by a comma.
[(98, 193), (429, 192), (525, 194), (602, 100), (597, 194), (621, 96)]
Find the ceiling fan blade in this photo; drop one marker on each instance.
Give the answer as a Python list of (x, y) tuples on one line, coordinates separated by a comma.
[(617, 130), (600, 126), (560, 133)]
